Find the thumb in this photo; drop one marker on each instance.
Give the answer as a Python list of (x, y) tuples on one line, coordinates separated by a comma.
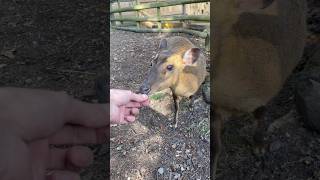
[(138, 97)]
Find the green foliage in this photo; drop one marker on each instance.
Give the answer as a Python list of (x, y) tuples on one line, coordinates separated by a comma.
[(157, 96)]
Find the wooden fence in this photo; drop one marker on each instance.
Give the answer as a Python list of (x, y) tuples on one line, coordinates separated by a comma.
[(160, 23)]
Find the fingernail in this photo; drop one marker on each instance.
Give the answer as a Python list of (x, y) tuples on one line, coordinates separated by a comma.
[(145, 96)]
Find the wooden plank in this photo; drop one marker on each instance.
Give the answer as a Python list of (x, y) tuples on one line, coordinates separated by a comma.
[(178, 30), (171, 18), (157, 5)]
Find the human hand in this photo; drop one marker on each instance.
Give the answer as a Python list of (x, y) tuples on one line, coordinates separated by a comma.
[(33, 120), (124, 105)]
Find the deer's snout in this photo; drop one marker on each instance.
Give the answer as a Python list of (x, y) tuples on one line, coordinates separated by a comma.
[(145, 89)]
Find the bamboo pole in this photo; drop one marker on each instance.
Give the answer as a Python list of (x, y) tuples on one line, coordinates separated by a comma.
[(156, 5), (159, 16), (120, 14), (202, 18), (113, 23), (138, 23), (174, 30), (184, 13)]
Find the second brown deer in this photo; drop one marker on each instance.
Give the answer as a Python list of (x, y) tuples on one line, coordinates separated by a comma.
[(257, 44)]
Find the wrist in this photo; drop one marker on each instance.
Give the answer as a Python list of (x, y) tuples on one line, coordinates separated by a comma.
[(113, 113)]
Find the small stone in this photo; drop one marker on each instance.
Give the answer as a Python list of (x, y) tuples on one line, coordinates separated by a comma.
[(288, 135), (28, 81), (119, 148), (94, 101), (257, 164), (182, 168), (34, 43), (160, 170), (3, 65), (174, 146), (9, 53), (275, 146), (176, 175), (308, 160)]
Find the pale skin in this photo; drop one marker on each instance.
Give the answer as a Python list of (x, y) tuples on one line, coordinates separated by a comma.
[(33, 120)]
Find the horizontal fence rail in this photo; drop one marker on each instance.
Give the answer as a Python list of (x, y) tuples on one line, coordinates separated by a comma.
[(173, 30), (156, 5), (172, 18)]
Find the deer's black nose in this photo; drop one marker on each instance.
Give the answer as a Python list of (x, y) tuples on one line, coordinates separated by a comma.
[(145, 89)]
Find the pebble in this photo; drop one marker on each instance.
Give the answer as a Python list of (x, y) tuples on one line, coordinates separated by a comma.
[(174, 146), (182, 168), (308, 160), (28, 81), (3, 65), (275, 146), (161, 170), (176, 175), (288, 135)]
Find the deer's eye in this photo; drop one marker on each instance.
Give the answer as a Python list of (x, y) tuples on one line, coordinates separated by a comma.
[(170, 67)]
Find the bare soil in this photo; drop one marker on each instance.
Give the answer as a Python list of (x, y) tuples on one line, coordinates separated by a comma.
[(151, 148), (56, 45)]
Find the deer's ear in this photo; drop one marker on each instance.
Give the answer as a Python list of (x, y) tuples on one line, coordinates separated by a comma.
[(163, 44), (191, 56), (252, 5)]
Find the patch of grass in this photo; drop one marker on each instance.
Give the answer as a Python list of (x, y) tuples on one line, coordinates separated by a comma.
[(204, 128), (157, 96), (184, 104)]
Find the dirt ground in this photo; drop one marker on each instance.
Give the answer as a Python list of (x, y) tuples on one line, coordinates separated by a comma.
[(151, 148), (57, 45)]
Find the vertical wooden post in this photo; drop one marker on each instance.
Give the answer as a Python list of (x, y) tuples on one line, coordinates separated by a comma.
[(113, 23), (159, 15), (120, 14), (184, 25), (138, 23)]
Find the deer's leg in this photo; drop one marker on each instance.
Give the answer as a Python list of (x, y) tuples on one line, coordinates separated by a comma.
[(192, 98), (217, 144), (176, 100), (260, 134)]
